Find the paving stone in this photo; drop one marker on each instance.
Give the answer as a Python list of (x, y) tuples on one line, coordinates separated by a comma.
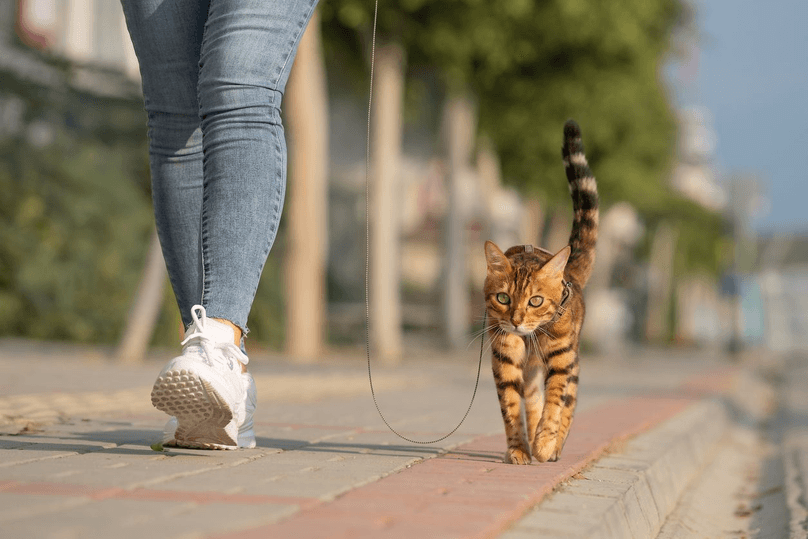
[(331, 466), (615, 523), (635, 514), (320, 470), (554, 523), (296, 436), (136, 519), (575, 503), (12, 443), (653, 515), (640, 484), (123, 466), (16, 507), (33, 449), (598, 472)]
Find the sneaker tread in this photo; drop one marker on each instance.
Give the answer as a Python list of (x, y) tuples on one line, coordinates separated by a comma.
[(202, 414)]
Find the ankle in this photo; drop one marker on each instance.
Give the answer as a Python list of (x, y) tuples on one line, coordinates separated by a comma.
[(236, 330), (236, 336)]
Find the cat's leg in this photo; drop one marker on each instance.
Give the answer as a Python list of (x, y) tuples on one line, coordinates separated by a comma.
[(534, 395), (506, 362), (561, 360), (569, 399)]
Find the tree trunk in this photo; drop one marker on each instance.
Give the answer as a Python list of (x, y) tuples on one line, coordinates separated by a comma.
[(305, 261), (460, 135), (663, 250), (78, 35), (557, 234), (145, 307), (386, 118), (533, 222)]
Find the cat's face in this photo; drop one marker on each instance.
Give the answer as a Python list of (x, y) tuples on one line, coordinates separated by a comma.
[(523, 291)]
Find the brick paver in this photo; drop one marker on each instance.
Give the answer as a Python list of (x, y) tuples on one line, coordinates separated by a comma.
[(325, 465), (469, 491)]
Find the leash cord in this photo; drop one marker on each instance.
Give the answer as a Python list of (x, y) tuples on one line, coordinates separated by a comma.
[(367, 268)]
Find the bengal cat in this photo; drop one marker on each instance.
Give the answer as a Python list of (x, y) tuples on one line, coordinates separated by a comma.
[(535, 312)]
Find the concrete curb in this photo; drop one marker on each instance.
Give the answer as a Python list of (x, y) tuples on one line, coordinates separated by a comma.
[(793, 453), (630, 494)]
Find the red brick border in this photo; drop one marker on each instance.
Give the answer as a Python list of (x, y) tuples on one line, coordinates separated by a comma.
[(469, 492)]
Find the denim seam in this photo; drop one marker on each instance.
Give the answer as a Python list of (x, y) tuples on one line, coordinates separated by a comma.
[(203, 213), (202, 247), (199, 63), (168, 261), (277, 205), (296, 41)]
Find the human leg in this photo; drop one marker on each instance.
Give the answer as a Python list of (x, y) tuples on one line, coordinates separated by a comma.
[(246, 55), (167, 38), (244, 51), (207, 387)]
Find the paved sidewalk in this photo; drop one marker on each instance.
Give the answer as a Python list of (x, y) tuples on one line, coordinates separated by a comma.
[(75, 460)]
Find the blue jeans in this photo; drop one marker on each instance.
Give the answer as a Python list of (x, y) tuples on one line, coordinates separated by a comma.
[(214, 72)]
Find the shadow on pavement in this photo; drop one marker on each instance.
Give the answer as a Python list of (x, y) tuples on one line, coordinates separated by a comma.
[(145, 438)]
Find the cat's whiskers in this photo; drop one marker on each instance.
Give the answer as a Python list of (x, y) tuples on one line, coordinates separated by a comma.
[(484, 329), (530, 343), (539, 349), (488, 346), (546, 332), (489, 343), (483, 333)]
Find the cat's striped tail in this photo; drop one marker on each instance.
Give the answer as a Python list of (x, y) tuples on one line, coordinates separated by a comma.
[(584, 191)]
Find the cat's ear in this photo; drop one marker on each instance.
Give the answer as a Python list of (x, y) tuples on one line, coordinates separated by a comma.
[(555, 266), (496, 259)]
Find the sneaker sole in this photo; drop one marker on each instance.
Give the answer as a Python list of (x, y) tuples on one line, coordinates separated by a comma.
[(202, 414)]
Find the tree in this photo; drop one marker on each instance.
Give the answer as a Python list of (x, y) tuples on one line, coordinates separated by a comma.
[(307, 117), (532, 65), (386, 134), (74, 217), (384, 302), (146, 306)]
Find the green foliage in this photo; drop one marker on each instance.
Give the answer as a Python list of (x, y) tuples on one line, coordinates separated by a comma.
[(267, 315), (531, 65), (76, 216), (701, 244), (73, 236)]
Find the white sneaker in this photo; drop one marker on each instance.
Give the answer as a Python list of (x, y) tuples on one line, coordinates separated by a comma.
[(246, 433), (204, 388)]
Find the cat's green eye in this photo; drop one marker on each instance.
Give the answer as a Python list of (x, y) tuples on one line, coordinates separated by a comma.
[(503, 298), (536, 301)]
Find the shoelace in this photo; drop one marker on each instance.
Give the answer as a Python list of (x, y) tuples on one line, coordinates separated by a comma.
[(223, 353)]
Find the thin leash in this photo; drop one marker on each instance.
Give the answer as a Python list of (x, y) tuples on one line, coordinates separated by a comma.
[(367, 268)]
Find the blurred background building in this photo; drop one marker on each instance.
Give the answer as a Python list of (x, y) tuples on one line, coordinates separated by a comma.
[(84, 31)]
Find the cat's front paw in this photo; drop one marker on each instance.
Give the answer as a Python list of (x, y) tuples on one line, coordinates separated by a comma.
[(516, 455), (547, 452)]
